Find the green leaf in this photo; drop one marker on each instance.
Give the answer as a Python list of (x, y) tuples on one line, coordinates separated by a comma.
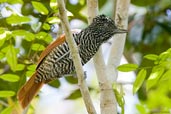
[(7, 110), (37, 47), (36, 26), (32, 67), (141, 109), (27, 35), (11, 56), (53, 4), (69, 13), (15, 19), (20, 67), (166, 76), (139, 80), (46, 26), (12, 1), (7, 93), (165, 56), (44, 36), (40, 8), (127, 67), (55, 83), (71, 79), (154, 77), (53, 20), (3, 34), (2, 40), (10, 77), (19, 33), (74, 95), (82, 2), (152, 57), (29, 73), (119, 97)]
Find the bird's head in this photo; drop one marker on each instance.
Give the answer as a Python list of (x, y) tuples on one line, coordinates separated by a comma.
[(105, 27)]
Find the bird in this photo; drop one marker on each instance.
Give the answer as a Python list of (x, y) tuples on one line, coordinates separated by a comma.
[(56, 60)]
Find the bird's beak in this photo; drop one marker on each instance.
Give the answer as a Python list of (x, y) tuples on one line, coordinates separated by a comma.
[(121, 31)]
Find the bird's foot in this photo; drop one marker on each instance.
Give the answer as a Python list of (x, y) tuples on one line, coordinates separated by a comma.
[(75, 75)]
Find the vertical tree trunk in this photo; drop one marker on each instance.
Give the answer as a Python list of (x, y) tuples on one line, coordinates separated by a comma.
[(121, 19), (107, 99)]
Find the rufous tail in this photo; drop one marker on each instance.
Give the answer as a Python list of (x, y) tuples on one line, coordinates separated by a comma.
[(28, 91)]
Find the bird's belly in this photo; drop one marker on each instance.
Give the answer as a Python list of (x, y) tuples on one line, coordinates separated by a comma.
[(52, 69), (86, 55)]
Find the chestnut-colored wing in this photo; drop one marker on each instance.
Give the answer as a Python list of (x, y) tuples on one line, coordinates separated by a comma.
[(56, 43), (49, 48)]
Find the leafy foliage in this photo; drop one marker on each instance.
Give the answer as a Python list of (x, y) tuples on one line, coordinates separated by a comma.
[(157, 84), (149, 37)]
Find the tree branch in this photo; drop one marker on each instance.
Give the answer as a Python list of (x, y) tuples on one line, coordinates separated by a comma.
[(107, 99), (76, 58)]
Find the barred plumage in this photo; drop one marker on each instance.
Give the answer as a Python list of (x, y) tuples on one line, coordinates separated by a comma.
[(56, 60)]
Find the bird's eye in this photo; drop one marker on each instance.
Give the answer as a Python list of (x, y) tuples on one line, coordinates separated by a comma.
[(104, 19)]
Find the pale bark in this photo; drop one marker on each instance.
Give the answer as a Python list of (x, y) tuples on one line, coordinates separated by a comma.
[(76, 58), (121, 19), (107, 99)]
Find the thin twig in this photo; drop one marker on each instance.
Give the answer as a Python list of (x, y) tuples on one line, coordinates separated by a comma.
[(3, 103), (76, 58)]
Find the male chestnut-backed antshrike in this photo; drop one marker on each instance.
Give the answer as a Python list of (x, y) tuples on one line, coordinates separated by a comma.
[(56, 61)]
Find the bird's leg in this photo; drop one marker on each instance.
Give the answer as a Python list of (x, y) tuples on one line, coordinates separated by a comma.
[(85, 75)]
